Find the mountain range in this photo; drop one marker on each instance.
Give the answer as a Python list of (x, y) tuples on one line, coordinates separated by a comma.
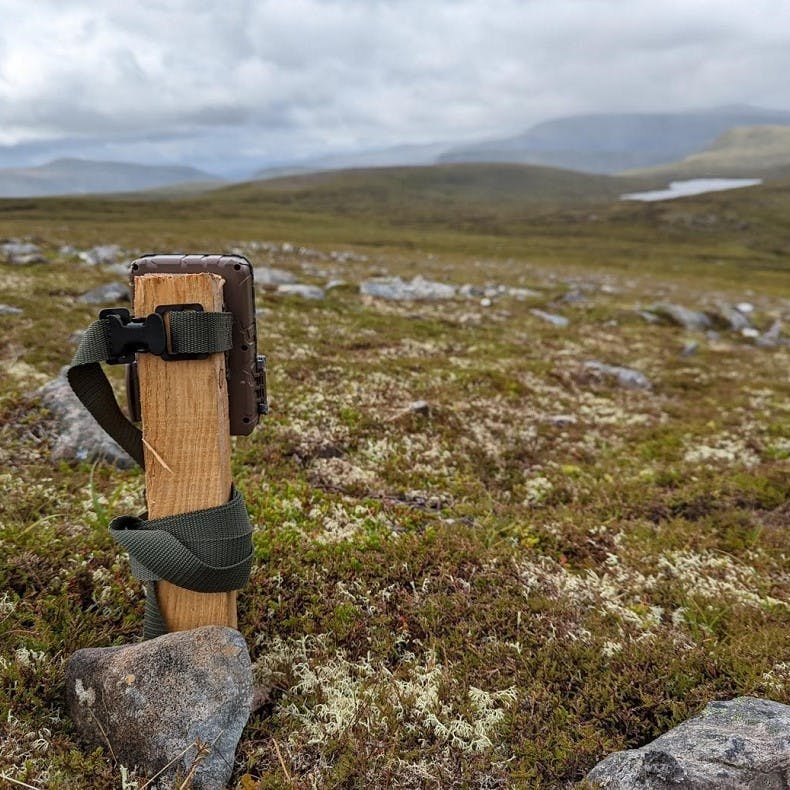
[(725, 141)]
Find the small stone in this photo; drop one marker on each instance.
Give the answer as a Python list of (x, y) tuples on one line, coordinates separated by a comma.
[(107, 294), (551, 318), (182, 698), (682, 316), (468, 291), (744, 307), (78, 436), (742, 743), (732, 317), (750, 331), (771, 338), (396, 289), (690, 349), (269, 276), (572, 297), (651, 318), (485, 302), (420, 407), (626, 377), (21, 253), (522, 294), (300, 289), (332, 284), (7, 309), (102, 254)]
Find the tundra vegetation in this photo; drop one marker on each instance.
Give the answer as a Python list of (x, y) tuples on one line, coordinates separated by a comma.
[(541, 563)]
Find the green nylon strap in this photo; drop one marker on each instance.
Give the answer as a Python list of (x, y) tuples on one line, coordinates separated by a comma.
[(191, 332), (206, 550)]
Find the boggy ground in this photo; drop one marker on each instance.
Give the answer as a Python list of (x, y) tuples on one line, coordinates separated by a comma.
[(498, 588)]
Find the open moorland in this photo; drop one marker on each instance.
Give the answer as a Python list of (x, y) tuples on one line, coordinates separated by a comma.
[(490, 548)]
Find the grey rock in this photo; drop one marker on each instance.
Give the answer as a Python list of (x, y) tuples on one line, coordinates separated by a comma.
[(7, 309), (731, 317), (107, 294), (745, 307), (572, 297), (469, 291), (21, 253), (742, 744), (332, 284), (154, 702), (396, 289), (420, 407), (522, 294), (626, 377), (550, 318), (300, 289), (78, 436), (772, 337), (690, 349), (269, 276), (651, 318), (682, 316), (102, 254)]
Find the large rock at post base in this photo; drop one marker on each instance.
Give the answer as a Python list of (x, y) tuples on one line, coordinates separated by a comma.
[(78, 436), (154, 701), (743, 744)]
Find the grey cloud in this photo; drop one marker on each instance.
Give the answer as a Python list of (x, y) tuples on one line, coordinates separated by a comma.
[(262, 77)]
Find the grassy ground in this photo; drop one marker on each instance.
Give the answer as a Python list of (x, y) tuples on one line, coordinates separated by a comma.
[(543, 568)]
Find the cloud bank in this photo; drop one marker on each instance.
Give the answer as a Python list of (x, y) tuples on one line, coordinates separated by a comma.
[(224, 84)]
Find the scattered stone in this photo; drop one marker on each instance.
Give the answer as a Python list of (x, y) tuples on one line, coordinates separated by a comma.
[(332, 284), (269, 276), (682, 316), (651, 318), (420, 407), (572, 297), (745, 307), (7, 309), (732, 317), (344, 256), (78, 436), (486, 302), (771, 338), (468, 291), (626, 377), (396, 289), (300, 289), (21, 253), (102, 254), (551, 318), (743, 743), (107, 294), (750, 332), (287, 247), (561, 420), (690, 349), (522, 294), (182, 698)]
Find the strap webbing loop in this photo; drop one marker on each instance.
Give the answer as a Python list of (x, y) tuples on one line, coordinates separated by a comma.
[(207, 550)]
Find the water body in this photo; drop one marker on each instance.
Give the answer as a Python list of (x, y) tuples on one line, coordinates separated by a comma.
[(694, 186)]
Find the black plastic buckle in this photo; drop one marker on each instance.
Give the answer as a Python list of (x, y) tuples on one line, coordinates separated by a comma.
[(129, 336)]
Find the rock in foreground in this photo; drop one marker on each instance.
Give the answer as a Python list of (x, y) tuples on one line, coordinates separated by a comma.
[(157, 701), (78, 436), (743, 744)]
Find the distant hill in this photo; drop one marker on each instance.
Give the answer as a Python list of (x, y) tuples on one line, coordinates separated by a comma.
[(610, 143), (427, 189), (84, 176), (759, 151)]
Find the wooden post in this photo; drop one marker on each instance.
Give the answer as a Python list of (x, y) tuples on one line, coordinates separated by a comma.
[(186, 437)]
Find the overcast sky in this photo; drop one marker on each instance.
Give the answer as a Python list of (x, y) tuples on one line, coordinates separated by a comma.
[(235, 84)]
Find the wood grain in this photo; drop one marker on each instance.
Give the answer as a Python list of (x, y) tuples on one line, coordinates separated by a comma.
[(186, 437)]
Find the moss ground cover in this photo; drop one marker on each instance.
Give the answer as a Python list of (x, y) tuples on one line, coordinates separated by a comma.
[(539, 568)]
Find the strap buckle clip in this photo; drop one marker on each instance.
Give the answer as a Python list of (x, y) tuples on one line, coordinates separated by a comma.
[(129, 336)]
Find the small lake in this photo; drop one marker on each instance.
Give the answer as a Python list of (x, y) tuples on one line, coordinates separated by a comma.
[(694, 186)]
